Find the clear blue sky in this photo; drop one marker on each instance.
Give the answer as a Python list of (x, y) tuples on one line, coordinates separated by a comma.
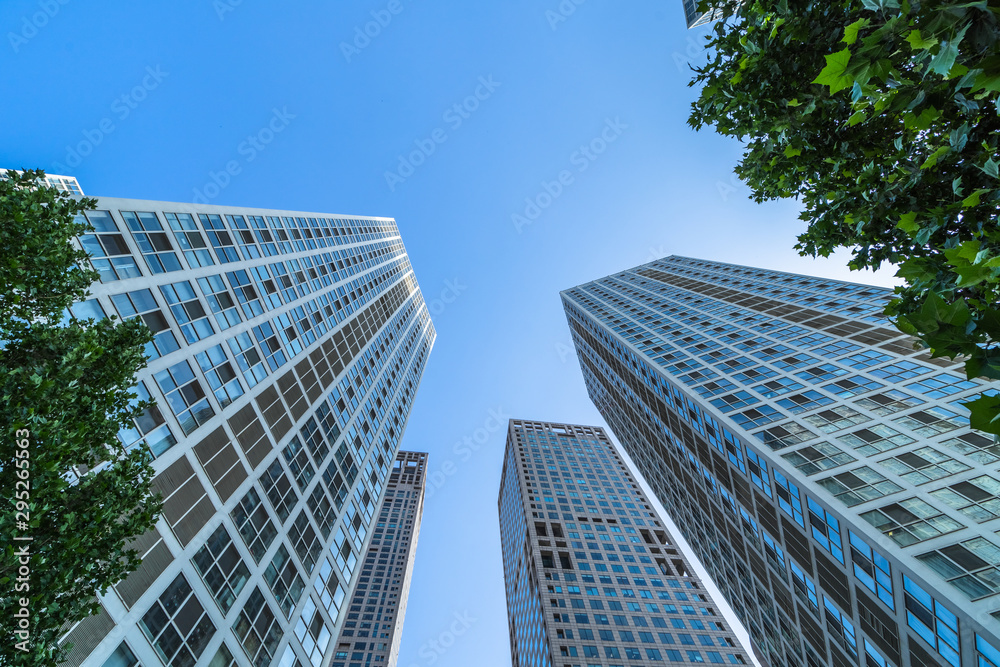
[(200, 77)]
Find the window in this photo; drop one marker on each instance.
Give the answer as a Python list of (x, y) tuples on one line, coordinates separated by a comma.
[(258, 630), (278, 489), (123, 657), (978, 498), (253, 524), (825, 530), (298, 462), (109, 254), (185, 396), (220, 237), (775, 555), (889, 402), (220, 301), (715, 388), (730, 402), (821, 456), (852, 386), (188, 311), (305, 541), (836, 349), (248, 358), (220, 566), (821, 373), (989, 656), (859, 486), (805, 589), (756, 417), (794, 361), (312, 632), (934, 622), (142, 303), (331, 592), (941, 385), (223, 658), (923, 465), (153, 242), (836, 418), (220, 375), (807, 400), (283, 579), (972, 566), (177, 625), (322, 510), (784, 435), (872, 569), (788, 498), (900, 371), (190, 240), (865, 359), (777, 387), (980, 448), (911, 521), (931, 421), (875, 439), (149, 428), (841, 628), (758, 472)]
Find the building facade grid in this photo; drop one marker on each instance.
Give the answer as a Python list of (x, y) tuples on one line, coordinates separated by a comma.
[(819, 463)]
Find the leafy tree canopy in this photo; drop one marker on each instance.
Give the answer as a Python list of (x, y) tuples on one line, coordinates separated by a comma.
[(881, 118), (70, 493)]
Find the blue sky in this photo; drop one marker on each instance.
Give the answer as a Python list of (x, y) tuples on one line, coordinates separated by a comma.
[(579, 113)]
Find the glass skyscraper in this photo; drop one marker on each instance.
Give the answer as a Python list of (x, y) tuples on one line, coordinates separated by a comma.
[(592, 577), (374, 626), (820, 465), (288, 349)]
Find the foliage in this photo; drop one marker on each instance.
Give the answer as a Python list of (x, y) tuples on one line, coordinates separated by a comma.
[(65, 391), (881, 117)]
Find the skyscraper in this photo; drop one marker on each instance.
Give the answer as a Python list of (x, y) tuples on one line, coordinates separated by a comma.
[(822, 467), (374, 626), (591, 575), (695, 18), (64, 183), (288, 349)]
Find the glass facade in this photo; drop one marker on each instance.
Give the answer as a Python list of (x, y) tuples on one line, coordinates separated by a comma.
[(289, 347), (592, 577), (864, 482)]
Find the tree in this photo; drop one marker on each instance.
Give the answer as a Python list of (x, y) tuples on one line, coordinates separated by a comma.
[(70, 495), (881, 117)]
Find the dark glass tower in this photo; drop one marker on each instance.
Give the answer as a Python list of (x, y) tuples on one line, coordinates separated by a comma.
[(820, 465), (374, 626), (592, 577)]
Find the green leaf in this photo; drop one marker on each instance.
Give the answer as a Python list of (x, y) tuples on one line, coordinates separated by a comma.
[(985, 413), (973, 199), (792, 152), (834, 74), (856, 117), (908, 223), (933, 158), (851, 31), (990, 167), (917, 41)]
